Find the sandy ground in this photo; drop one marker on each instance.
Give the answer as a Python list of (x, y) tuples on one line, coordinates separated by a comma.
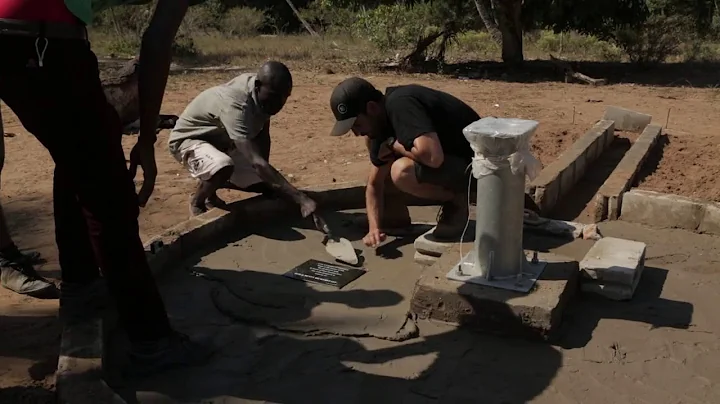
[(301, 148)]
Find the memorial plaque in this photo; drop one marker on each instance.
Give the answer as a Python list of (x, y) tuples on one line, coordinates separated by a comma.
[(325, 273)]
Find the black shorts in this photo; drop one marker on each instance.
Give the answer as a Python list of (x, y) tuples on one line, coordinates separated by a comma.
[(453, 174)]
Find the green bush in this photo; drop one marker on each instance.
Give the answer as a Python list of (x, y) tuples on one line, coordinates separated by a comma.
[(394, 27), (242, 21), (477, 43), (655, 40), (326, 18), (184, 47), (580, 46)]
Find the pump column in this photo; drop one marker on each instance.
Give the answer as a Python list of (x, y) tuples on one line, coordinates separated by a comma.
[(502, 160)]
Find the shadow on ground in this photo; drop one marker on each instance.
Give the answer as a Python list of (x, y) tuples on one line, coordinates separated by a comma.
[(647, 306), (257, 361), (27, 395), (690, 74)]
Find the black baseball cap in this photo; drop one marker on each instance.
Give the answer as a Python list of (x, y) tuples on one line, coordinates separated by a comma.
[(349, 99)]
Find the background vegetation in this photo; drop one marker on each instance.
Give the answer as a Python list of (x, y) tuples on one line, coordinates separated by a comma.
[(427, 35)]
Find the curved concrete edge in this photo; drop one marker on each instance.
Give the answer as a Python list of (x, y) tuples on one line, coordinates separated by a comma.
[(79, 373), (559, 177), (660, 210)]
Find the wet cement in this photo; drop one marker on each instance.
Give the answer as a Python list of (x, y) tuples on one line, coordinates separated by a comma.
[(662, 347)]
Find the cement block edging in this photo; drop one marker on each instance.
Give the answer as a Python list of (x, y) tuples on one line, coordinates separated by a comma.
[(558, 178), (608, 199), (656, 209), (79, 371), (627, 119)]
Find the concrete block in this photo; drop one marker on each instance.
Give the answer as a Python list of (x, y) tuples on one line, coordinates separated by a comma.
[(536, 314), (661, 210), (558, 178), (710, 222), (609, 291), (623, 176), (424, 259), (600, 208), (614, 260), (626, 119), (568, 177), (426, 244), (613, 206)]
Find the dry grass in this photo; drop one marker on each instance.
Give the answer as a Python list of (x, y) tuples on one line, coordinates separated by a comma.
[(347, 53)]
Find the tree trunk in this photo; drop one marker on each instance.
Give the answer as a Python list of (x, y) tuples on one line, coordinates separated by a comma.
[(508, 13), (302, 20), (489, 21)]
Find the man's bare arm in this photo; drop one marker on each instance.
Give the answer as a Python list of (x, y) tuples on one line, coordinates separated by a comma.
[(427, 150), (266, 172), (374, 194), (155, 58)]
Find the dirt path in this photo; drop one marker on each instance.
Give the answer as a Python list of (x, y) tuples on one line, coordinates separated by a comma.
[(302, 148)]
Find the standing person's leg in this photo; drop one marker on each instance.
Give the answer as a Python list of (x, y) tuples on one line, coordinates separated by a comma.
[(16, 271), (93, 167)]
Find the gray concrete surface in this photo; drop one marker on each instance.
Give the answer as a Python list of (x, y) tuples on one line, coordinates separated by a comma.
[(661, 347)]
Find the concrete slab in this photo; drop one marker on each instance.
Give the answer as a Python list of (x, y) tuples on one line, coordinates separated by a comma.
[(535, 314), (428, 245), (424, 260), (661, 210), (626, 119), (615, 261)]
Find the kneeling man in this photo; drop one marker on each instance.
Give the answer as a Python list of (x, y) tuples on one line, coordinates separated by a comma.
[(223, 138), (415, 138)]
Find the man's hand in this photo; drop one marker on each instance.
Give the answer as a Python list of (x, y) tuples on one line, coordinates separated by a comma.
[(143, 155), (374, 238), (307, 206), (398, 149)]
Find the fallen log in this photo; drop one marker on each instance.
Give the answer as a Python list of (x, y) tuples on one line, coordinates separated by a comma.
[(570, 73)]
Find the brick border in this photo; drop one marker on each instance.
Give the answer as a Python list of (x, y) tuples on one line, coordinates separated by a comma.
[(559, 177), (79, 372), (656, 209), (609, 197)]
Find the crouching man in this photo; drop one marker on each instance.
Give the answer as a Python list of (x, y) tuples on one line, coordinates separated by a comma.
[(415, 138), (223, 138)]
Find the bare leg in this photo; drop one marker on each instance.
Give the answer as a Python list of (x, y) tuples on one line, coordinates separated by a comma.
[(454, 213), (207, 190)]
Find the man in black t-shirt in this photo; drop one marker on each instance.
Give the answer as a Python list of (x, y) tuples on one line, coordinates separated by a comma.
[(414, 136)]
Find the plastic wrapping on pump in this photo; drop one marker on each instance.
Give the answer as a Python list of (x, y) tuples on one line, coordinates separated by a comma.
[(502, 142)]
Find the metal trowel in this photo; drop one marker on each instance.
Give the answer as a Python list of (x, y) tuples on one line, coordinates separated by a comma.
[(338, 247)]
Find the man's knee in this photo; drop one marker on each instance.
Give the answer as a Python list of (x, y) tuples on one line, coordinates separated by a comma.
[(402, 173)]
